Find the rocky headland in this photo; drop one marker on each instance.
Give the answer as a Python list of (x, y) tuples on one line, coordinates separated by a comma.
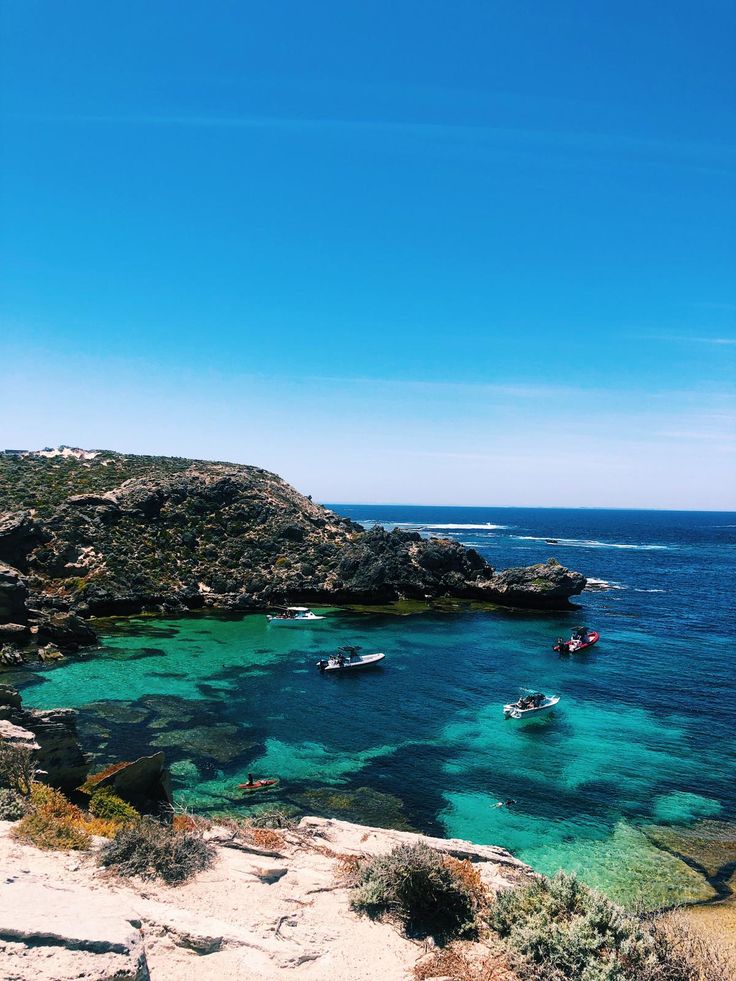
[(96, 533)]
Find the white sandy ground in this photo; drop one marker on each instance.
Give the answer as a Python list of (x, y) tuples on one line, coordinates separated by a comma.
[(249, 917)]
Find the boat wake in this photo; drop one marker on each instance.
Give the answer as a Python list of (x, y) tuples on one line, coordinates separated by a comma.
[(592, 543), (422, 526)]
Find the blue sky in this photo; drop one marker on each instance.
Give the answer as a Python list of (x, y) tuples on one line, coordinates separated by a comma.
[(469, 253)]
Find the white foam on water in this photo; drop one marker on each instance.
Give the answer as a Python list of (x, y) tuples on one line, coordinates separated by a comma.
[(422, 526), (601, 584), (650, 590), (591, 543), (486, 527)]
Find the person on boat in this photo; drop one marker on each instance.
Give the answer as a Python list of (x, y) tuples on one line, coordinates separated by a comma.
[(251, 782), (341, 658)]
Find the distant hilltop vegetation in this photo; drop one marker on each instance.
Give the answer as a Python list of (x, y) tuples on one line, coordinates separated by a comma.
[(93, 532)]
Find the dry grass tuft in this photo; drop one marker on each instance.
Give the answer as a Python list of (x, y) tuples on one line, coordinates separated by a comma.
[(457, 962), (183, 822), (470, 878), (93, 779), (685, 954), (264, 838)]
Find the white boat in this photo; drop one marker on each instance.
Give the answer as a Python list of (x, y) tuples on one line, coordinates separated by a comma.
[(530, 704), (293, 616), (348, 659)]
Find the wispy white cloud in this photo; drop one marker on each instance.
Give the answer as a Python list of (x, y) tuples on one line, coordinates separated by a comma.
[(718, 158), (691, 339)]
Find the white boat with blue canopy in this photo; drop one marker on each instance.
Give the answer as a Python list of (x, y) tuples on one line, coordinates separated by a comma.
[(293, 616), (530, 703)]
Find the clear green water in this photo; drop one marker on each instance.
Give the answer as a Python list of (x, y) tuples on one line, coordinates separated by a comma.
[(628, 758)]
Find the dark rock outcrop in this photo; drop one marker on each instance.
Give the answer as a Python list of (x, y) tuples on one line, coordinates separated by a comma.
[(119, 534), (13, 595), (19, 534), (145, 783), (66, 631), (548, 584), (52, 734)]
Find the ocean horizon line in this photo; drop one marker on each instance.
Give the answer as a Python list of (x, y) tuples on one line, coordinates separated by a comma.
[(521, 507)]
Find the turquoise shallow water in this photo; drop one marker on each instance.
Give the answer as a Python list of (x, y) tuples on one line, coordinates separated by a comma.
[(642, 741)]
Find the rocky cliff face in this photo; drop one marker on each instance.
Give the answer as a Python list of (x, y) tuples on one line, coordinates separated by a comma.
[(114, 534), (51, 734)]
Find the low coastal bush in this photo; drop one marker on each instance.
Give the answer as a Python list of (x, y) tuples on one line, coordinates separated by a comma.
[(53, 822), (13, 806), (427, 892), (152, 850), (560, 930)]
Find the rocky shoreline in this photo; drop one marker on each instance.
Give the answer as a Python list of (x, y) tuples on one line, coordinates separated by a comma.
[(184, 535), (257, 913)]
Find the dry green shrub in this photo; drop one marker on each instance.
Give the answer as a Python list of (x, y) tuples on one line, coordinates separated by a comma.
[(17, 767), (152, 850), (560, 930), (13, 806), (415, 885)]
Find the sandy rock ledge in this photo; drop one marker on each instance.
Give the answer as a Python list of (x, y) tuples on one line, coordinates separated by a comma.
[(259, 916)]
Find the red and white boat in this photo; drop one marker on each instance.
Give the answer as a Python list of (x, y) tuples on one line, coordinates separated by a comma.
[(581, 640)]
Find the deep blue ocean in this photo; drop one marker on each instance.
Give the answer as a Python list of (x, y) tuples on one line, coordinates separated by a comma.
[(635, 769)]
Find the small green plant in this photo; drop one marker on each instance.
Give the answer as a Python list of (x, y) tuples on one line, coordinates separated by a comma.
[(152, 850), (416, 885), (107, 805), (13, 806)]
